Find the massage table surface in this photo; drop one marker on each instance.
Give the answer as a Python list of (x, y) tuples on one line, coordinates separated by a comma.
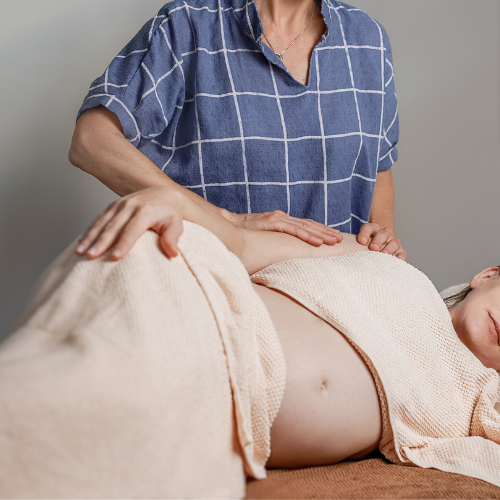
[(373, 478)]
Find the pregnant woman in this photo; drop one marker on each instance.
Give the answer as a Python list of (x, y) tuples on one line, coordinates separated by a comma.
[(142, 373)]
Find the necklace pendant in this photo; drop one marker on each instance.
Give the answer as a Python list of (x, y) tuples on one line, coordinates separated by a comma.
[(280, 56)]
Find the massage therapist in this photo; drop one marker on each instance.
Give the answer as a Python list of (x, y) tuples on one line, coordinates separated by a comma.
[(280, 115)]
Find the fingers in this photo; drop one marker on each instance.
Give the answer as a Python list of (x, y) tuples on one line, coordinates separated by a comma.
[(304, 235), (169, 237), (117, 228), (126, 220), (308, 230), (401, 254), (136, 226), (366, 232), (382, 240), (392, 247), (105, 224)]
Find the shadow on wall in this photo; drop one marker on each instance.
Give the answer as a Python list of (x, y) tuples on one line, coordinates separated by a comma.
[(42, 210)]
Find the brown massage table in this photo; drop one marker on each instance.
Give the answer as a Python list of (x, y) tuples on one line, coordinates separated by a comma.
[(372, 478)]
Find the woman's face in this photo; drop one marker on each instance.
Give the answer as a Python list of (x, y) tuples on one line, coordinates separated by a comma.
[(477, 318)]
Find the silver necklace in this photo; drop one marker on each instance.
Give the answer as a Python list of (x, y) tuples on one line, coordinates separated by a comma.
[(280, 54)]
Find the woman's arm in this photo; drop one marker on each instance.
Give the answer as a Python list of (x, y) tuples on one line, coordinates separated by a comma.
[(380, 229), (162, 210), (100, 149), (261, 249)]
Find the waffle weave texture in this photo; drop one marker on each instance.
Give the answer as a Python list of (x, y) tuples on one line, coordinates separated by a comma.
[(437, 399)]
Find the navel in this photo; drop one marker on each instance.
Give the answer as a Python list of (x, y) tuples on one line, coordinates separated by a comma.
[(323, 388)]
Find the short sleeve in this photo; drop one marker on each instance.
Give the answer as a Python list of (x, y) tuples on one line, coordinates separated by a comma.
[(144, 84), (390, 127)]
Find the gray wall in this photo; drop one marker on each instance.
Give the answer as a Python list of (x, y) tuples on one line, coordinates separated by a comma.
[(446, 53)]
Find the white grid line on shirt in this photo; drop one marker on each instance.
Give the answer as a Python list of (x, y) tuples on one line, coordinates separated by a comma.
[(389, 153), (293, 96), (146, 69), (106, 85), (245, 168), (198, 131), (256, 51), (220, 51), (177, 62), (349, 63), (342, 47), (153, 25), (392, 123), (153, 89), (283, 125), (340, 223), (248, 20), (358, 218), (214, 11), (382, 69), (106, 76), (323, 140), (270, 139), (392, 72), (387, 140), (172, 153), (113, 98), (132, 53), (274, 183)]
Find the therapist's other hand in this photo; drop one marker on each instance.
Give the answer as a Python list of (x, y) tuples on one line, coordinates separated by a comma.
[(127, 219), (311, 232), (382, 240)]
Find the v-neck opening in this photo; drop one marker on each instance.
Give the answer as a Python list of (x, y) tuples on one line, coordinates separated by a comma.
[(274, 59)]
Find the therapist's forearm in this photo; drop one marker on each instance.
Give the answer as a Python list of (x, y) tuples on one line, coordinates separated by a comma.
[(382, 210), (100, 149)]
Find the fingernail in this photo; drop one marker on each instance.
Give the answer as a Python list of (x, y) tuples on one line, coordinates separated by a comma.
[(117, 253), (80, 249), (92, 251)]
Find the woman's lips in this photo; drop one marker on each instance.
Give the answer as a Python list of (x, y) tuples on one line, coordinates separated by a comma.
[(494, 328)]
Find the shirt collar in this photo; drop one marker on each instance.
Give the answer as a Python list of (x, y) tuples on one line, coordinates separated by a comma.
[(248, 17)]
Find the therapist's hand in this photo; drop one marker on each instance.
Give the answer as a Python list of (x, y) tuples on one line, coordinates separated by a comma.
[(382, 240), (127, 219), (311, 232)]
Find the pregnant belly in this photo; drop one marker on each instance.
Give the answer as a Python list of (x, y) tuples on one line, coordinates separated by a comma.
[(330, 411)]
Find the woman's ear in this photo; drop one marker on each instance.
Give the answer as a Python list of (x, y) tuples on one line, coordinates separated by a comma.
[(491, 272)]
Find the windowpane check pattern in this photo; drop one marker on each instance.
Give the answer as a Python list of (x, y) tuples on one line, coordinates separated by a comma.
[(200, 94)]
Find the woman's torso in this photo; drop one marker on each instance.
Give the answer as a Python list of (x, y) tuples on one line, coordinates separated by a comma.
[(330, 410), (228, 121)]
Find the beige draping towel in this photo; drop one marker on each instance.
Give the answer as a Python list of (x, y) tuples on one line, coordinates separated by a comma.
[(144, 378), (437, 399)]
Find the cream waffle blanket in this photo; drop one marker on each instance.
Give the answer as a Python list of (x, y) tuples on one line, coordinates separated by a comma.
[(437, 399), (146, 378)]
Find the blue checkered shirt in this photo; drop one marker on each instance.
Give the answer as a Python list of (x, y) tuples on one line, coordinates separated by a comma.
[(200, 94)]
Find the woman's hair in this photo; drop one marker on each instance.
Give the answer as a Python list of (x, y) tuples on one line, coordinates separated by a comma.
[(456, 298)]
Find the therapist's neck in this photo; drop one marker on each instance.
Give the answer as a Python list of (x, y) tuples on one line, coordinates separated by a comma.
[(285, 14)]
